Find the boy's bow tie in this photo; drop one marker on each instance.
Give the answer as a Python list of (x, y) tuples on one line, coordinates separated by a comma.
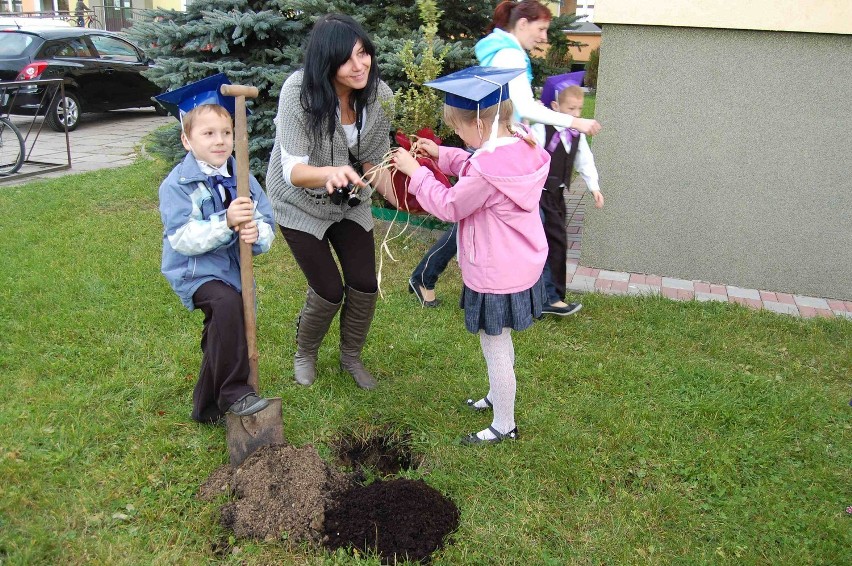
[(227, 182), (564, 136)]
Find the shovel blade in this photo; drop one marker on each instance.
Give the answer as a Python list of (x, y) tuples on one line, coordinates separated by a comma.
[(247, 434)]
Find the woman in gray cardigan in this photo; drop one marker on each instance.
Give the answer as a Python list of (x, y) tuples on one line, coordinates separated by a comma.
[(332, 126)]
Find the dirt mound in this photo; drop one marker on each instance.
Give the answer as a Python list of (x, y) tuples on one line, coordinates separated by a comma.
[(285, 491), (399, 518), (218, 483), (281, 489)]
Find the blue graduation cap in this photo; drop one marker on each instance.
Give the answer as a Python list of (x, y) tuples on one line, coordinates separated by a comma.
[(554, 84), (475, 87), (181, 100)]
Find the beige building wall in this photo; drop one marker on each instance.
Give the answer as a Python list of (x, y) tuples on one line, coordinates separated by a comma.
[(581, 54), (179, 5), (159, 4), (811, 16), (725, 155)]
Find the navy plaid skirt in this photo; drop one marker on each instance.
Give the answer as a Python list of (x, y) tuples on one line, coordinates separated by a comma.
[(492, 313)]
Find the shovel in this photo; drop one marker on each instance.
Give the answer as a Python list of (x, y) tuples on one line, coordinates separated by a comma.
[(247, 434)]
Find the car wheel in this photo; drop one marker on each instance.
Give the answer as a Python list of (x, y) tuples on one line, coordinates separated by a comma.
[(56, 117)]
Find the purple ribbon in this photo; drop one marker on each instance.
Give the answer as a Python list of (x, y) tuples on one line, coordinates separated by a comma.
[(565, 136)]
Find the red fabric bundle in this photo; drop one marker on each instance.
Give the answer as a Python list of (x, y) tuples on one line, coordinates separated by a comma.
[(406, 200)]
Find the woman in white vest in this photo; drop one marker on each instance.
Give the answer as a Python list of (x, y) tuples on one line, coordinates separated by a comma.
[(517, 28)]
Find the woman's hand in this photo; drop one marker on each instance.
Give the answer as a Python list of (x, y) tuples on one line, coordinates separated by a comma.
[(381, 181), (425, 146), (404, 162), (342, 176), (586, 126), (599, 199)]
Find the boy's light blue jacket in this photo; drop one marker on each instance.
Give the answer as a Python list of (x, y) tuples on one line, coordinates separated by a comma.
[(198, 246), (487, 47)]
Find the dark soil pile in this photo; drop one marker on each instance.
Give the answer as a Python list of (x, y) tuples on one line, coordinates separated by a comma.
[(401, 519), (281, 489), (285, 491)]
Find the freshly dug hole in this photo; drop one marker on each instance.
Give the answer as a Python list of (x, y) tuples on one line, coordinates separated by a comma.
[(380, 452)]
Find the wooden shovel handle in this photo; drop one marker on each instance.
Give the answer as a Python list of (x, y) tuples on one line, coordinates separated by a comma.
[(239, 90)]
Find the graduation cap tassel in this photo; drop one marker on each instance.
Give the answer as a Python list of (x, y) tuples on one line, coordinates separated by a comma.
[(496, 123)]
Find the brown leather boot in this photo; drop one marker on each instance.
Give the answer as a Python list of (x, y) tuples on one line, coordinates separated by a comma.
[(355, 318), (311, 326)]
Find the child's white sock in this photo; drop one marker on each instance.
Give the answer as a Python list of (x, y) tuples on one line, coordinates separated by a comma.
[(499, 355)]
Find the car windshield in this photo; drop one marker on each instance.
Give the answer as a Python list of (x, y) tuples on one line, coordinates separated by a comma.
[(14, 44)]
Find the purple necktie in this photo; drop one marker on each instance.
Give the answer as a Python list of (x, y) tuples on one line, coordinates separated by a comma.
[(564, 136)]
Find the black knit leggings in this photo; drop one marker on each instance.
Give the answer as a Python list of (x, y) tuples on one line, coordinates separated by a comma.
[(355, 249)]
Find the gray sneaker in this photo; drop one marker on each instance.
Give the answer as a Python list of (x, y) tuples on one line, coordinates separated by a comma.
[(570, 308), (248, 404)]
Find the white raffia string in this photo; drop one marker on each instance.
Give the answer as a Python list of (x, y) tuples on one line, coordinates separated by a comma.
[(386, 164)]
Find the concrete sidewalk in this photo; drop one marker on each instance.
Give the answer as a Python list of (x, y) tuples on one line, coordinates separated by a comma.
[(101, 141)]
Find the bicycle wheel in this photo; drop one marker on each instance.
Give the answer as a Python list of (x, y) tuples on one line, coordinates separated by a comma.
[(94, 23), (11, 147)]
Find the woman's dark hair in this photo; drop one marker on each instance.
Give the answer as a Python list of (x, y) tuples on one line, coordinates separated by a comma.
[(508, 12), (330, 46)]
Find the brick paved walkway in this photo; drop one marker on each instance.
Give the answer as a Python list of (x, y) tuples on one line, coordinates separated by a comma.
[(585, 279)]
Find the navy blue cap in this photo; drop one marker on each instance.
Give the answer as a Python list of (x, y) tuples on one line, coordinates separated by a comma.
[(475, 87), (552, 85), (181, 100)]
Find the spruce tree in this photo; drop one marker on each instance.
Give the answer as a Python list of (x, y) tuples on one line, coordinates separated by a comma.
[(260, 42)]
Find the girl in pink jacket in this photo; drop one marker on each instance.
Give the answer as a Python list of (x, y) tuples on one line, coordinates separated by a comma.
[(501, 243)]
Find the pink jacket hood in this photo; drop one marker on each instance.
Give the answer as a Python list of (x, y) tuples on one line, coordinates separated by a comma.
[(502, 248), (519, 175)]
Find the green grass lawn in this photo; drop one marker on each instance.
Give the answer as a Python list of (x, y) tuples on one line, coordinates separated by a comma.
[(589, 105), (653, 431)]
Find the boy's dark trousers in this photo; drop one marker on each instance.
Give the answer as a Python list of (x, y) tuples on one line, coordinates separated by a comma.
[(224, 372), (552, 205)]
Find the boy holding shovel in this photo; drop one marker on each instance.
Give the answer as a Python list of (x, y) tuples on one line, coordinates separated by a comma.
[(203, 221)]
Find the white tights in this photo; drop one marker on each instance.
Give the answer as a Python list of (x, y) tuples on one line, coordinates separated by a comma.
[(499, 355)]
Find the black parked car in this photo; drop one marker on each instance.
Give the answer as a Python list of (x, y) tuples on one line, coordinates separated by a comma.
[(102, 71)]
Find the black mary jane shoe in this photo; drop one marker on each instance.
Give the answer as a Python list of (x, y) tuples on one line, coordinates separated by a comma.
[(415, 288), (473, 440), (472, 404)]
